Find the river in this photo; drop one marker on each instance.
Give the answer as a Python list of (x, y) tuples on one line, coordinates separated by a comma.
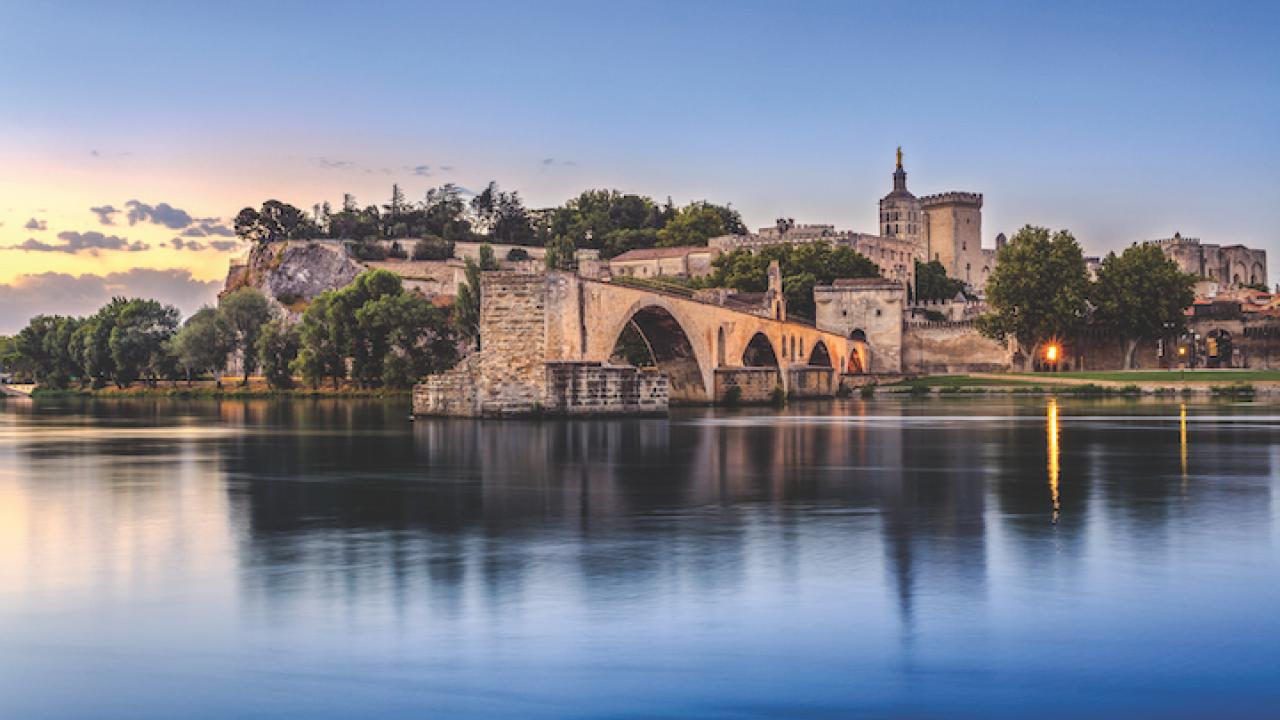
[(992, 557)]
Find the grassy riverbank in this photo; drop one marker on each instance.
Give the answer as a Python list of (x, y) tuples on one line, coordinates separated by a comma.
[(1223, 383)]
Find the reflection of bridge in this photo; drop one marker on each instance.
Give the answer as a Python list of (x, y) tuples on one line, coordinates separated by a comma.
[(551, 342)]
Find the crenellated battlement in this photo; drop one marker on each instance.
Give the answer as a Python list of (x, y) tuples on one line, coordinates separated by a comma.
[(952, 198), (1177, 239)]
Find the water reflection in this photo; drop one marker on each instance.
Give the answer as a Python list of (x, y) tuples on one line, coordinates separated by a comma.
[(1053, 457), (564, 569), (1182, 439)]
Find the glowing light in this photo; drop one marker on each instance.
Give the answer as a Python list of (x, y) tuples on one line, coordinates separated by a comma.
[(1053, 456), (1182, 350), (1051, 352), (1182, 432)]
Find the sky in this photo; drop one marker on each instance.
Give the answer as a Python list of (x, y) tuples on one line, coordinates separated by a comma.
[(131, 133)]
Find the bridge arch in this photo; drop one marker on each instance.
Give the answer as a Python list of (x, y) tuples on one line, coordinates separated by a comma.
[(819, 356), (672, 349), (759, 352)]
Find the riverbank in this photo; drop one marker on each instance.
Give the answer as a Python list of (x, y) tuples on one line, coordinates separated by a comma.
[(1213, 383), (256, 388)]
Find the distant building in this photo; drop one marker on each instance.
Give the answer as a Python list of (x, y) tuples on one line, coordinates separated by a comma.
[(894, 256), (654, 262), (946, 227), (1228, 265)]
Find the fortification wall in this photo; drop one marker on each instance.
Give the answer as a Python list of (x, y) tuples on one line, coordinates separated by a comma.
[(950, 347)]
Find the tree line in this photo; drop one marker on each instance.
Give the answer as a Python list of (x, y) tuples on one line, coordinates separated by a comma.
[(609, 221), (1040, 291), (372, 332)]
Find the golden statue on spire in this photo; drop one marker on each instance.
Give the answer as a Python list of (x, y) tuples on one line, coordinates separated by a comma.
[(899, 156)]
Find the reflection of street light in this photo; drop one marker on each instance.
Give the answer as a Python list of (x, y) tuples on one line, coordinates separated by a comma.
[(1182, 368)]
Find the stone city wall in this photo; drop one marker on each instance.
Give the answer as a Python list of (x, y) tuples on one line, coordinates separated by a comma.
[(950, 347)]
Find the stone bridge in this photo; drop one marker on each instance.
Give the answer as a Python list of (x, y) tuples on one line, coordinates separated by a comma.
[(558, 343)]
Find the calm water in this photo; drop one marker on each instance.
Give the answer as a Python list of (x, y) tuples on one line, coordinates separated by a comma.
[(856, 559)]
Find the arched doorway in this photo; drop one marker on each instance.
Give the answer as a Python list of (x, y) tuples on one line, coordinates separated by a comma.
[(857, 363), (654, 338), (759, 352), (818, 356)]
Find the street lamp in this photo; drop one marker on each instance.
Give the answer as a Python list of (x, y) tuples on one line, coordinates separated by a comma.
[(1052, 352)]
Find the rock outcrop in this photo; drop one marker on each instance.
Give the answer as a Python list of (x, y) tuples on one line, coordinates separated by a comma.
[(292, 274)]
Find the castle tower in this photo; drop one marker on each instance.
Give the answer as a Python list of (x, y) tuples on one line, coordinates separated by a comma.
[(900, 211), (953, 236)]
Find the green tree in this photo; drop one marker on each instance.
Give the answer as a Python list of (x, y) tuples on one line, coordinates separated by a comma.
[(445, 214), (416, 337), (932, 282), (466, 304), (1038, 290), (245, 311), (803, 266), (203, 344), (1140, 295), (694, 224), (320, 355), (561, 253), (277, 347), (276, 221), (140, 340), (608, 220), (44, 347), (504, 216), (92, 344)]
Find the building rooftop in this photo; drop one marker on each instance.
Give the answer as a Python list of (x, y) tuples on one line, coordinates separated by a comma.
[(865, 282), (667, 252)]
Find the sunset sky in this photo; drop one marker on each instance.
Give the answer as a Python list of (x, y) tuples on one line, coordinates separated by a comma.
[(1119, 124)]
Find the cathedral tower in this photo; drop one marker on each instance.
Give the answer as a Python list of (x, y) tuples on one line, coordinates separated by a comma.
[(900, 212)]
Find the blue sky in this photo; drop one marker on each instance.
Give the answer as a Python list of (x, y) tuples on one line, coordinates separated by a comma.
[(1118, 121)]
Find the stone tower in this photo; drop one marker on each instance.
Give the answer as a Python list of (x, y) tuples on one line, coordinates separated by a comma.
[(953, 235), (900, 215), (775, 299)]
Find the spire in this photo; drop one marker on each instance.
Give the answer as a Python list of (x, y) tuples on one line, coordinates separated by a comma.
[(899, 175)]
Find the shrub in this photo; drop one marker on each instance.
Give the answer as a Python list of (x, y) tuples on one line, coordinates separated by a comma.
[(518, 254), (867, 391), (364, 250), (843, 391), (1234, 390), (433, 247), (733, 396)]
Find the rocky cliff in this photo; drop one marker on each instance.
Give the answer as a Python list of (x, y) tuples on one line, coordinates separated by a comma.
[(291, 274)]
